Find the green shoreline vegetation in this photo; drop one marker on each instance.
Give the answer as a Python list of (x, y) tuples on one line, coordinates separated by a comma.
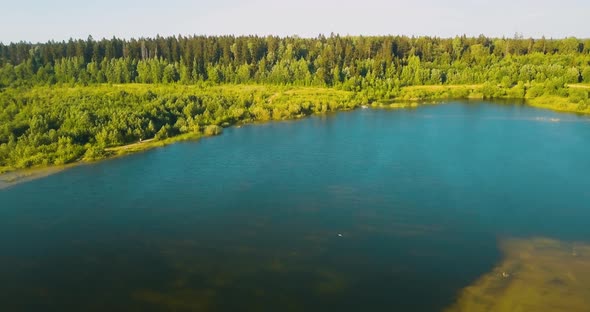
[(86, 100)]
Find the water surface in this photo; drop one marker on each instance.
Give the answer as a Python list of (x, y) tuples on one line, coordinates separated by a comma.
[(369, 210)]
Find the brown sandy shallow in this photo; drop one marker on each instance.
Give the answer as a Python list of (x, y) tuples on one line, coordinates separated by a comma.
[(535, 275), (13, 178)]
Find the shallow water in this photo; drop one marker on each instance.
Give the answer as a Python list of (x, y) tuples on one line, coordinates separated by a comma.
[(537, 274), (367, 210)]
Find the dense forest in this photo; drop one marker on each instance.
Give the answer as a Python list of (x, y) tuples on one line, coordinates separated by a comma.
[(351, 63), (64, 101)]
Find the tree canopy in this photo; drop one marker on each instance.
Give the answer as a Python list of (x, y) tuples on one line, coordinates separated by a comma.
[(352, 63)]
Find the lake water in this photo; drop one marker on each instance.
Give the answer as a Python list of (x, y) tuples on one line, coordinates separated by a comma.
[(370, 210)]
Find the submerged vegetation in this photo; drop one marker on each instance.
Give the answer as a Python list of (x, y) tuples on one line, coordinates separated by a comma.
[(61, 102), (536, 275)]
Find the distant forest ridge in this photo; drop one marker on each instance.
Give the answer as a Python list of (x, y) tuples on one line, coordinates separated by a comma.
[(351, 62)]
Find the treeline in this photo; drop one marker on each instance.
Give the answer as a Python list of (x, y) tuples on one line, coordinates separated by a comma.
[(350, 63)]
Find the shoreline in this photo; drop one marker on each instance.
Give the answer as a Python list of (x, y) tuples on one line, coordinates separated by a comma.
[(12, 177), (562, 106)]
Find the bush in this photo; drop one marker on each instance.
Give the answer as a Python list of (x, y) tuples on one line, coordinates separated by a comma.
[(577, 95), (212, 130), (94, 152)]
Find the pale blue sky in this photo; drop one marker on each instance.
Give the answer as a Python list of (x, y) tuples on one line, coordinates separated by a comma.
[(61, 19)]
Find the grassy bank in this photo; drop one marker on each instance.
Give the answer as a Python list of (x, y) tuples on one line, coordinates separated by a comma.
[(149, 144), (560, 104), (574, 98)]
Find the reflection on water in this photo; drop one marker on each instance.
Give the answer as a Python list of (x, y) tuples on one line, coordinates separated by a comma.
[(536, 275)]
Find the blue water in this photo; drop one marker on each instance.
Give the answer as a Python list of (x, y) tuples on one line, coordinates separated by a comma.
[(370, 210)]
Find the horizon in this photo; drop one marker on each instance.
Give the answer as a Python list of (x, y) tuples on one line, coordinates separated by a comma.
[(67, 19), (152, 37)]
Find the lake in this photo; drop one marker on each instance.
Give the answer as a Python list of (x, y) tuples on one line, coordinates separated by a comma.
[(369, 210)]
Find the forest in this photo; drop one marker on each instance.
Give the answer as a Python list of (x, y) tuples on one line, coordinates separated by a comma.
[(61, 102)]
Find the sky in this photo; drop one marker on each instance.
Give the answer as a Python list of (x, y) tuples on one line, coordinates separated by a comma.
[(40, 20)]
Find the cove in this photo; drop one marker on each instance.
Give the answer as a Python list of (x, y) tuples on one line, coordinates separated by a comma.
[(364, 210)]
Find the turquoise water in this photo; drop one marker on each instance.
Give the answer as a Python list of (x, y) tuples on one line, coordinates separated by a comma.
[(370, 210)]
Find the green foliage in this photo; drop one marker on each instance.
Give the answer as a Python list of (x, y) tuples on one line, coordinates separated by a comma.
[(164, 132), (212, 130), (578, 95), (517, 92), (353, 63), (65, 101), (59, 125), (94, 152), (586, 74)]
